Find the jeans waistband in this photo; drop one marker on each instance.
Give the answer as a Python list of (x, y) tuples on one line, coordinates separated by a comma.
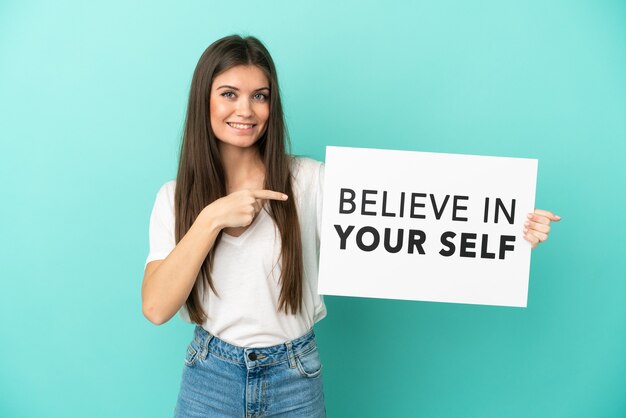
[(255, 356)]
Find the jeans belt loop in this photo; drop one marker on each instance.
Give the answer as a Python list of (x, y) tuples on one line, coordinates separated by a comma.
[(205, 346), (292, 361)]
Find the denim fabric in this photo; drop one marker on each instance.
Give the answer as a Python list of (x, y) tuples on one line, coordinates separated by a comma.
[(223, 380)]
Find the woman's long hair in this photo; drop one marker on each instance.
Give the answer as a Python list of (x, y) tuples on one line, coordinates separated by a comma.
[(200, 179)]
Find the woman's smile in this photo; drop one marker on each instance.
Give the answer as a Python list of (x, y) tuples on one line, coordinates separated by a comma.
[(244, 127)]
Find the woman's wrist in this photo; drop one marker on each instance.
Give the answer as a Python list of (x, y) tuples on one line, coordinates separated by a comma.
[(209, 221)]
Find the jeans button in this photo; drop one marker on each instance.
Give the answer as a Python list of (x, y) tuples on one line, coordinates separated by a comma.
[(252, 356)]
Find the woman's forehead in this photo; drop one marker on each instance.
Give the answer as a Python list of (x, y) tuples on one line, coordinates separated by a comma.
[(244, 77)]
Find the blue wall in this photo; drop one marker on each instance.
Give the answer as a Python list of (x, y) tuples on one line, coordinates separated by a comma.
[(92, 99)]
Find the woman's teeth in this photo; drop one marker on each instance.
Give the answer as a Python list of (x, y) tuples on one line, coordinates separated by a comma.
[(241, 125)]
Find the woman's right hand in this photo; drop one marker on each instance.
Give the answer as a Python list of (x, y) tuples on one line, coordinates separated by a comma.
[(239, 208)]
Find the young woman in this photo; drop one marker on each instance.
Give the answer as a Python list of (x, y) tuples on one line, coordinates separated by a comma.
[(234, 244)]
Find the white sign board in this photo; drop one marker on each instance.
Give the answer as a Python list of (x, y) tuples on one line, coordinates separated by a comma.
[(426, 226)]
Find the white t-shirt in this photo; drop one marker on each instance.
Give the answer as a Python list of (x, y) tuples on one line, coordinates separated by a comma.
[(246, 269)]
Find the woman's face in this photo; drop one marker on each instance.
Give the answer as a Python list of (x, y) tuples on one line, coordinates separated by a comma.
[(240, 105)]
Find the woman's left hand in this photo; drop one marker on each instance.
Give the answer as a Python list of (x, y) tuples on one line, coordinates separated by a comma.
[(537, 227)]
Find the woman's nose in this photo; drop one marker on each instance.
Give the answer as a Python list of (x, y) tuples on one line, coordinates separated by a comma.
[(244, 108)]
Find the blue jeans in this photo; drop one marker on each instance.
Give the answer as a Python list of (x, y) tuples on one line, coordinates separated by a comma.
[(223, 380)]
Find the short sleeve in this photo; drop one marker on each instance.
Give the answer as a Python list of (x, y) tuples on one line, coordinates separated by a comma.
[(161, 230)]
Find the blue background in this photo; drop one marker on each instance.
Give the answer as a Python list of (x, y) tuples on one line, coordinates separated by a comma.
[(92, 102)]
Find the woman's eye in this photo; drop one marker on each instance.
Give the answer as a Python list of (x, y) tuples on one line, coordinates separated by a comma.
[(228, 94), (260, 96)]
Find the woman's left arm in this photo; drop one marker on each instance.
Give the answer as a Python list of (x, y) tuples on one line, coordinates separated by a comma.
[(537, 227)]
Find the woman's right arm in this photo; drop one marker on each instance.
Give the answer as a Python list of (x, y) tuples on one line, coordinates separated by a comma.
[(167, 283)]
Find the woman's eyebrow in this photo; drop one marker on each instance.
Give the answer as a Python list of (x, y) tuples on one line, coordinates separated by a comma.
[(235, 88)]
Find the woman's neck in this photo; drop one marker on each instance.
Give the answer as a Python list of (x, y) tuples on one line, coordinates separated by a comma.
[(243, 167)]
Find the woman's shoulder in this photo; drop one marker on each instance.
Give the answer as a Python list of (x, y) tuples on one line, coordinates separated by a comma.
[(166, 192), (308, 177), (168, 187), (304, 166)]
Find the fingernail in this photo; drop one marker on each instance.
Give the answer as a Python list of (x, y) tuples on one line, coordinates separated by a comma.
[(529, 216), (285, 197), (527, 223), (557, 217)]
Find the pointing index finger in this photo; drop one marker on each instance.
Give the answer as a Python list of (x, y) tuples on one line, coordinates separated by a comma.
[(547, 214), (269, 194)]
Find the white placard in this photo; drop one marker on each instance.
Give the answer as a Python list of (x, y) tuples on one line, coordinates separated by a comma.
[(460, 219)]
